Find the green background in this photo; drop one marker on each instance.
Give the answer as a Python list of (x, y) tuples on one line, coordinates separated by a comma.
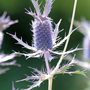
[(61, 9)]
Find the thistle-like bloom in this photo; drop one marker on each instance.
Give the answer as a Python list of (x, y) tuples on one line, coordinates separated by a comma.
[(4, 24), (44, 36)]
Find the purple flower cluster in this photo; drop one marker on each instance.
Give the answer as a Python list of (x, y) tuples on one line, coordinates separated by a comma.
[(42, 35)]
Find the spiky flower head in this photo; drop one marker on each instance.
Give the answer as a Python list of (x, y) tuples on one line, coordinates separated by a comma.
[(42, 28), (44, 36)]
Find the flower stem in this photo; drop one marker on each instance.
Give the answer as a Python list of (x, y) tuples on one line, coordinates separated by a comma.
[(46, 62), (66, 44), (48, 71), (50, 83)]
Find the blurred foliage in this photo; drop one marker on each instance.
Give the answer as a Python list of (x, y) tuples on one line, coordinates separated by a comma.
[(61, 9)]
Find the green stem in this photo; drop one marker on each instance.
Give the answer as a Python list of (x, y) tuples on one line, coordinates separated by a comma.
[(66, 44), (50, 83)]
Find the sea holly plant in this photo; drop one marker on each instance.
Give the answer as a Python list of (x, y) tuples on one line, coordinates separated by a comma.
[(44, 44), (4, 24)]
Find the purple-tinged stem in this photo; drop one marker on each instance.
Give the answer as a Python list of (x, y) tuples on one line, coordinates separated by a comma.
[(46, 62), (48, 71)]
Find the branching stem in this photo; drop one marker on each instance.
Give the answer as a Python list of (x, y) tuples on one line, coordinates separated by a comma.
[(66, 44)]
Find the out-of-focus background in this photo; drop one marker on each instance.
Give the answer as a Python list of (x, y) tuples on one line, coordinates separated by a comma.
[(61, 9)]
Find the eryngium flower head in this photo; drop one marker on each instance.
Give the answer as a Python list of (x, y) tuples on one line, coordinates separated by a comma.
[(42, 27), (44, 36)]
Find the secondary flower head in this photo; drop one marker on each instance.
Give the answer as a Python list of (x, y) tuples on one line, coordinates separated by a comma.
[(4, 24), (85, 30)]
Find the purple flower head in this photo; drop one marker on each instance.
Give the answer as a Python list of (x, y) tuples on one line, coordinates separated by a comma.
[(42, 27), (44, 36)]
